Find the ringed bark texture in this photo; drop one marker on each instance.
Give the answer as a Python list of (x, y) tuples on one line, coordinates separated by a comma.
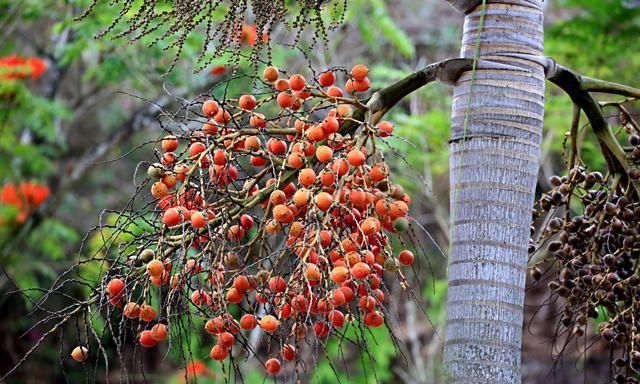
[(494, 163)]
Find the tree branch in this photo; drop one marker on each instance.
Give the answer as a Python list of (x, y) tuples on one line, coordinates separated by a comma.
[(578, 89)]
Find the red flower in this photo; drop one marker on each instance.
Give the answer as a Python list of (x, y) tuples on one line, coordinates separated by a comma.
[(218, 70), (25, 198), (18, 67)]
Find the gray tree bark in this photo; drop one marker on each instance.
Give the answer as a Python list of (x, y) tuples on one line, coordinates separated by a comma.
[(495, 148)]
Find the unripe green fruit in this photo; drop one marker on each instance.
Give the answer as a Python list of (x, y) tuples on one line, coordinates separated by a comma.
[(155, 171), (400, 224)]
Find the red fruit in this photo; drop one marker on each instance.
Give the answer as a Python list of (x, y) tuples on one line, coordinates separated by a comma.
[(282, 85), (277, 284), (172, 217), (340, 167), (323, 200), (235, 233), (282, 214), (327, 78), (247, 102), (258, 121), (210, 128), (273, 366), (248, 322), (359, 72), (198, 220), (336, 318), (321, 329), (324, 153), (196, 149), (335, 92), (312, 272), (269, 324), (367, 303), (131, 310), (147, 313), (297, 82), (159, 332), (386, 128), (406, 257), (338, 298), (362, 85), (339, 274), (246, 222), (356, 158), (398, 209), (226, 340), (210, 108), (348, 293), (330, 125), (315, 134), (219, 157), (218, 352), (295, 160), (373, 319), (115, 287), (307, 177), (360, 270), (257, 161), (147, 340), (155, 268), (270, 74), (276, 147), (234, 296), (285, 100), (241, 283), (169, 143), (288, 352)]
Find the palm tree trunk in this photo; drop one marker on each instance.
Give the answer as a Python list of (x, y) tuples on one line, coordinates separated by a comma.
[(497, 120)]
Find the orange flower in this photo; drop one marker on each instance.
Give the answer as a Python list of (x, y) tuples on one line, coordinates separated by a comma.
[(18, 67), (25, 198)]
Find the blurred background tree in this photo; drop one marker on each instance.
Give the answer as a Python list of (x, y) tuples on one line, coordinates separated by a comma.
[(75, 113)]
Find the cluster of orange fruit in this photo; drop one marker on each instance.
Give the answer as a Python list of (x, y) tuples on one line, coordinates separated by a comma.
[(310, 175)]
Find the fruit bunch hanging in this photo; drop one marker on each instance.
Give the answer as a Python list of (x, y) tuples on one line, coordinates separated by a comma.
[(590, 232), (276, 213)]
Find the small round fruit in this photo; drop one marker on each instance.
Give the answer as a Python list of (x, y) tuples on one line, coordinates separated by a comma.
[(270, 74), (288, 352), (297, 82), (269, 324), (400, 224), (147, 313), (218, 352), (210, 108), (359, 72), (247, 102), (248, 322), (406, 257), (169, 143), (146, 340), (159, 332), (327, 78), (115, 287), (80, 354), (155, 268), (339, 274), (356, 158), (360, 270), (273, 366), (155, 171), (198, 220)]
